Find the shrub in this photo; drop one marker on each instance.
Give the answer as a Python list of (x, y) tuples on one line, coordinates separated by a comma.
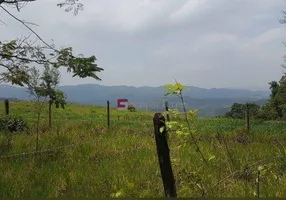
[(12, 124), (131, 108)]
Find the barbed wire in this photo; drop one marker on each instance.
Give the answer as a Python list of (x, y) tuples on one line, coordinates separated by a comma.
[(50, 150), (25, 154)]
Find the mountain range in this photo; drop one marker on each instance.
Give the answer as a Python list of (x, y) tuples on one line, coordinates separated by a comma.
[(209, 102)]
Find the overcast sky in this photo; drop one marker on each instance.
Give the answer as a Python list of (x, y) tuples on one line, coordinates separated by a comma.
[(205, 43)]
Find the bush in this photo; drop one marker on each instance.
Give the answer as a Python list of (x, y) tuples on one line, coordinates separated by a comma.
[(12, 124), (131, 108)]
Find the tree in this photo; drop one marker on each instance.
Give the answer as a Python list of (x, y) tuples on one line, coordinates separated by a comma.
[(276, 105), (43, 89), (275, 108), (51, 79), (18, 55), (274, 86), (59, 99), (69, 4), (238, 110), (36, 91)]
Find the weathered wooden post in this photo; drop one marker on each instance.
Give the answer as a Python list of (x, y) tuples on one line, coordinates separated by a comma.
[(6, 102), (258, 184), (163, 153), (167, 109), (247, 117), (108, 115)]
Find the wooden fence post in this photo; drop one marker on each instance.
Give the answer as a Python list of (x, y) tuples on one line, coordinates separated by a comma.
[(247, 117), (6, 102), (258, 184), (108, 115), (163, 153), (167, 109)]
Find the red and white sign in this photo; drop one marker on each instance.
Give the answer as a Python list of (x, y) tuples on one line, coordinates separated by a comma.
[(122, 104)]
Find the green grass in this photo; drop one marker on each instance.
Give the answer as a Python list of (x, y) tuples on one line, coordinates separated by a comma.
[(123, 159)]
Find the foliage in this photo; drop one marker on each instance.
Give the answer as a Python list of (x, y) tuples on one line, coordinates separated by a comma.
[(59, 98), (12, 124), (34, 86), (131, 108), (71, 5), (122, 191), (174, 89), (174, 125), (178, 127), (185, 130), (238, 110), (42, 86), (276, 105), (275, 109), (18, 56), (50, 80)]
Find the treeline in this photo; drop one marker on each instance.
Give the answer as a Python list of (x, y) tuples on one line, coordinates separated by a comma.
[(274, 109)]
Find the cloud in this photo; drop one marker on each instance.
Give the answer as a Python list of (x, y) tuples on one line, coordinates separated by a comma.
[(190, 9), (208, 43)]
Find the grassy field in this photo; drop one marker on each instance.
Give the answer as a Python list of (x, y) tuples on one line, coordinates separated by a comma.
[(122, 160)]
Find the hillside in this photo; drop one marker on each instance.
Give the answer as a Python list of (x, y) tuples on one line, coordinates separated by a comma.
[(209, 102)]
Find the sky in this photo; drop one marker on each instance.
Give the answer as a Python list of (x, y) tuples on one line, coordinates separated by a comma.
[(204, 43)]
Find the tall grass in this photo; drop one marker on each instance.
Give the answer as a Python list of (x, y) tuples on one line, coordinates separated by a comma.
[(122, 161)]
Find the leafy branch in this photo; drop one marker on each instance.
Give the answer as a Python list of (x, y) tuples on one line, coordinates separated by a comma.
[(17, 55), (176, 90)]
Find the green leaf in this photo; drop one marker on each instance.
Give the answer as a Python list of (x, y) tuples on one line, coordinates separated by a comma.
[(192, 113), (162, 129), (130, 186), (260, 168), (169, 88), (118, 194), (145, 193), (179, 132), (178, 87), (211, 157)]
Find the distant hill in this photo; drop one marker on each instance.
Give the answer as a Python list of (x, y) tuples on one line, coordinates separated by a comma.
[(210, 102)]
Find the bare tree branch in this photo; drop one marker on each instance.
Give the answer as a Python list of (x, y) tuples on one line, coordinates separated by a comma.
[(3, 22), (38, 61), (15, 1), (27, 27), (6, 67), (17, 56)]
